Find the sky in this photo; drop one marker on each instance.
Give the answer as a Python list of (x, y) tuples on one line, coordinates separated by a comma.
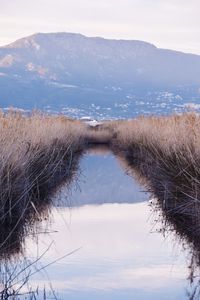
[(172, 24)]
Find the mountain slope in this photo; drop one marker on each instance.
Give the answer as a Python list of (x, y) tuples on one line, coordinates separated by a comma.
[(67, 68)]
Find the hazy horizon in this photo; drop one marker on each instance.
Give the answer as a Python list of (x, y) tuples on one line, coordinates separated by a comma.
[(171, 25)]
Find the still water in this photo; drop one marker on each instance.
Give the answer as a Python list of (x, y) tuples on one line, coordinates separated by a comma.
[(115, 250)]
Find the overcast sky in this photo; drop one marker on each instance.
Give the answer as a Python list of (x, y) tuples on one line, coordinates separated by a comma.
[(173, 24)]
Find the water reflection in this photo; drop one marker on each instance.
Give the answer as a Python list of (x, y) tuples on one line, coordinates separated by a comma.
[(100, 181), (175, 203), (105, 217), (25, 207), (118, 255)]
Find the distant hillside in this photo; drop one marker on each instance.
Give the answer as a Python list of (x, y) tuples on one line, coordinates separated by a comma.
[(71, 69)]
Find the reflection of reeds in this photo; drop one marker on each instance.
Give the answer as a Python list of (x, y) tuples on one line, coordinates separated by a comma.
[(98, 136), (38, 153), (15, 278), (165, 153)]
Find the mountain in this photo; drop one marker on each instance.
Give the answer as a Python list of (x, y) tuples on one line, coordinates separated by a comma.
[(59, 70)]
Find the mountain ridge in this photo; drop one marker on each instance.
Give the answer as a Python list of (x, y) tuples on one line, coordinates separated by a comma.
[(35, 35), (72, 69), (68, 34)]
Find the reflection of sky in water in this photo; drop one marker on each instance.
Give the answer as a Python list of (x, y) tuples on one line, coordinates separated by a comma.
[(102, 180), (119, 258), (118, 254)]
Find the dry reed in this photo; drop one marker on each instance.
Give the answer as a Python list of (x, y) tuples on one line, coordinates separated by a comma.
[(37, 154), (165, 153)]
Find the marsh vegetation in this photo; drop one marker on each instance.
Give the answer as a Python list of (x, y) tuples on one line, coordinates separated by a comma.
[(41, 153), (38, 154)]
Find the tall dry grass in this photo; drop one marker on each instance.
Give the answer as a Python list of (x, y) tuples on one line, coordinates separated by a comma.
[(37, 154), (164, 149), (167, 132), (165, 153)]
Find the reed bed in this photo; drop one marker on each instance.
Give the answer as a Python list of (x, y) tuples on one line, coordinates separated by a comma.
[(164, 152), (40, 152), (37, 154)]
